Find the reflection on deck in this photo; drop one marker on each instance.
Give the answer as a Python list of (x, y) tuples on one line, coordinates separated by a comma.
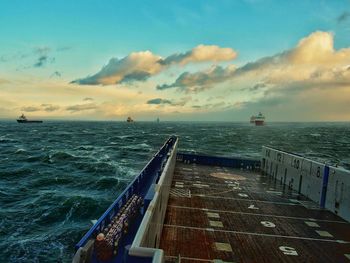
[(220, 214)]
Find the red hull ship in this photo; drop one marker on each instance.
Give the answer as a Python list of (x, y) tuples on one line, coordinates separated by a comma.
[(259, 119)]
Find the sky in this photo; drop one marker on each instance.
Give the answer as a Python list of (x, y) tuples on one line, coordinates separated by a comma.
[(221, 60)]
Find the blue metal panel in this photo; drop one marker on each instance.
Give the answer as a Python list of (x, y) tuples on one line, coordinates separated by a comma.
[(324, 186)]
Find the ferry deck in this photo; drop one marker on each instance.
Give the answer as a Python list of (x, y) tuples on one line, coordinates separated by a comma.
[(220, 214), (194, 208)]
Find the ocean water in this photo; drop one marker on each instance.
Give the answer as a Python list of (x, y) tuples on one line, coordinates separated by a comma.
[(56, 177)]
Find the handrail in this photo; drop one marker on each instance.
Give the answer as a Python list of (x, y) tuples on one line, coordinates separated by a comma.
[(139, 247), (132, 188)]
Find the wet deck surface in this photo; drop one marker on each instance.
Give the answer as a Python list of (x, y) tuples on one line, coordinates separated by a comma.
[(245, 217)]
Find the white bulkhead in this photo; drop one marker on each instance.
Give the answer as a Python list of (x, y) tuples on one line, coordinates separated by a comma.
[(338, 192), (308, 178)]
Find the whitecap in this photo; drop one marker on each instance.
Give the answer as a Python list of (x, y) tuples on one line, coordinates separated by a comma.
[(315, 134)]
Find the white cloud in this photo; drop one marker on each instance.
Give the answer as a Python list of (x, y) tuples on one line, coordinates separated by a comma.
[(139, 66)]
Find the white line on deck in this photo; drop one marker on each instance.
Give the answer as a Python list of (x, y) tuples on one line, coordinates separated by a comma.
[(187, 258), (262, 235), (248, 200), (257, 214)]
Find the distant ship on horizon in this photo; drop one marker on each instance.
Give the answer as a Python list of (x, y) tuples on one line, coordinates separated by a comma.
[(258, 120), (23, 119), (129, 119)]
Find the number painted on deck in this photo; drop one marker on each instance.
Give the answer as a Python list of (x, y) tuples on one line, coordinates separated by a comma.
[(253, 207), (268, 224), (243, 195), (290, 251)]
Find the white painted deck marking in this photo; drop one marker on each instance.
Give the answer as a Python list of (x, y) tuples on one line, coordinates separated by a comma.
[(216, 223), (274, 192), (186, 169), (221, 261), (213, 215), (324, 233), (347, 256), (180, 192), (290, 251), (312, 224), (294, 201), (201, 185), (268, 224), (220, 185), (262, 235), (243, 195), (223, 247), (253, 207), (235, 186)]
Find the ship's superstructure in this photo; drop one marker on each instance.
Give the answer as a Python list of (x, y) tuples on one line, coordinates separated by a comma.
[(197, 208), (129, 119), (258, 120)]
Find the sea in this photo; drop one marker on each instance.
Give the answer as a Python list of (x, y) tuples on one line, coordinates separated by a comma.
[(57, 176)]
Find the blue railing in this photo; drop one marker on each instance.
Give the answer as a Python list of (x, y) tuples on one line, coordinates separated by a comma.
[(240, 163), (138, 186)]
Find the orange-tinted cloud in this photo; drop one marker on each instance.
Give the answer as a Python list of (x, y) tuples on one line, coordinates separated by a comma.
[(139, 66)]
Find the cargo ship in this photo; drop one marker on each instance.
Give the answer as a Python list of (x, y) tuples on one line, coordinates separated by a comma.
[(23, 119), (186, 207), (258, 120)]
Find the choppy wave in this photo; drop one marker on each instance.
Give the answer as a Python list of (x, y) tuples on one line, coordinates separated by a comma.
[(56, 177)]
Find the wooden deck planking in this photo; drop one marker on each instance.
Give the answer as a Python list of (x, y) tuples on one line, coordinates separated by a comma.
[(254, 216)]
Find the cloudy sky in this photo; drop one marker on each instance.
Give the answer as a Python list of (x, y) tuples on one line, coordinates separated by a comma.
[(220, 60)]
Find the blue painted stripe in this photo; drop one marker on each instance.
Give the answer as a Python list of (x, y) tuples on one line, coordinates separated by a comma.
[(324, 186)]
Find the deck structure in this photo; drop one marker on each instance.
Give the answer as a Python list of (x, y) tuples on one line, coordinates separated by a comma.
[(221, 214)]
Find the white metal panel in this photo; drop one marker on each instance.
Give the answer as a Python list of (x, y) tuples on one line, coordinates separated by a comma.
[(338, 192), (315, 181), (307, 176)]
